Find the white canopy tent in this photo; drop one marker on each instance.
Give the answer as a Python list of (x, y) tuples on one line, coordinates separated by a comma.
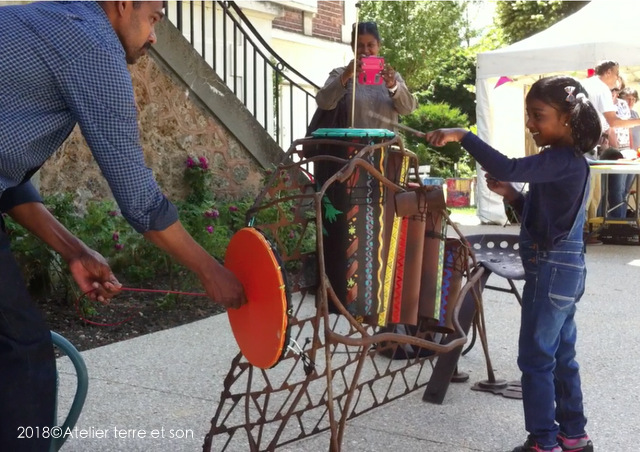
[(603, 29)]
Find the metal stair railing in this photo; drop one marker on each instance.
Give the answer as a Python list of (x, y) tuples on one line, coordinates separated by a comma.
[(278, 96)]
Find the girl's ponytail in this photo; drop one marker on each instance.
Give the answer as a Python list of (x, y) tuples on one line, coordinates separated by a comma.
[(586, 128)]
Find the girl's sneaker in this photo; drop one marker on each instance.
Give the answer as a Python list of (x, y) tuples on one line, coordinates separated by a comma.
[(583, 444), (531, 446)]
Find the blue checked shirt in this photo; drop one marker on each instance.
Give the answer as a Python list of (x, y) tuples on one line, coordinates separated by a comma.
[(62, 64)]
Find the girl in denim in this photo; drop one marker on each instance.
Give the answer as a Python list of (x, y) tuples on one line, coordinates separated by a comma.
[(563, 122)]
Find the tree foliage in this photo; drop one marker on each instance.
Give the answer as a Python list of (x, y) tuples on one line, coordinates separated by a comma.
[(434, 116), (454, 83), (415, 34), (520, 19)]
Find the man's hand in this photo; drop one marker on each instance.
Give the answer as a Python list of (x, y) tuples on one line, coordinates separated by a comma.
[(220, 284), (223, 287), (89, 268), (441, 137), (93, 275)]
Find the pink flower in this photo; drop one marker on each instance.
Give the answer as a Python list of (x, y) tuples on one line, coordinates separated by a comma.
[(213, 213), (113, 213), (292, 234), (233, 209), (115, 236), (118, 246), (209, 229), (203, 163), (190, 163)]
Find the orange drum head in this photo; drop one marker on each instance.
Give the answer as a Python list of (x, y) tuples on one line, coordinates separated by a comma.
[(261, 326)]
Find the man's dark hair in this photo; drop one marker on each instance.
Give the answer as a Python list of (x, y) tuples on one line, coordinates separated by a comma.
[(604, 66), (611, 154)]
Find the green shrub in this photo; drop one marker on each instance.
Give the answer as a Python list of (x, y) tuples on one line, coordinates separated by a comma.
[(43, 269), (448, 161), (134, 260)]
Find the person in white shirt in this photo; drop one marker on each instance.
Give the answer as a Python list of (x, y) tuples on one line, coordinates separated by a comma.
[(606, 78), (630, 96), (619, 184)]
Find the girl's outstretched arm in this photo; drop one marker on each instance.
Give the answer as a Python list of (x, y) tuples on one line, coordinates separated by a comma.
[(441, 137)]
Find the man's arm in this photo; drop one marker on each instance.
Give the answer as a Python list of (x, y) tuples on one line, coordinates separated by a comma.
[(220, 284), (612, 138), (105, 109), (89, 268), (614, 121)]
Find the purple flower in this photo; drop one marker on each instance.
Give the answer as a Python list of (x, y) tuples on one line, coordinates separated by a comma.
[(233, 209), (213, 213), (210, 229), (113, 213), (292, 234), (118, 246), (203, 163), (190, 163), (115, 236)]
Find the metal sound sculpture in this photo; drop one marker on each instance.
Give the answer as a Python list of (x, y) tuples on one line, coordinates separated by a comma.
[(364, 250)]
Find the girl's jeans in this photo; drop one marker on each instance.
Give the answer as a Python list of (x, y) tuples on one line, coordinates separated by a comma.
[(554, 282)]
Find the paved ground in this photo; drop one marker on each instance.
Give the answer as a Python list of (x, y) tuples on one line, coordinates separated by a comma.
[(169, 382)]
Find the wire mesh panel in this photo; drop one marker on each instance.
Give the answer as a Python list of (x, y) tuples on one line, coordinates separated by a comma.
[(338, 364)]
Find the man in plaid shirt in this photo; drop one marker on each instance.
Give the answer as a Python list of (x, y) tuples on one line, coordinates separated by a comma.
[(63, 64)]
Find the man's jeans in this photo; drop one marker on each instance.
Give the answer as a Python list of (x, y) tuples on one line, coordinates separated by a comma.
[(618, 189), (27, 364)]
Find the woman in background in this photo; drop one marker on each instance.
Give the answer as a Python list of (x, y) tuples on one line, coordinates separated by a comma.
[(387, 100)]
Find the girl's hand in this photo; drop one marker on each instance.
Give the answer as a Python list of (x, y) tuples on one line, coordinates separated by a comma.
[(504, 189), (389, 76), (441, 137)]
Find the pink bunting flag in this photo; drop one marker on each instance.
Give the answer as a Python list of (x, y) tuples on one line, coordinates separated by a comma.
[(502, 80)]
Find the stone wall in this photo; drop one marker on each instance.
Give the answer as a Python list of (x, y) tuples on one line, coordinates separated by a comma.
[(172, 128)]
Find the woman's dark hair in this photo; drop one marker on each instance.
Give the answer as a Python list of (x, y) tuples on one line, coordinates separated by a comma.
[(365, 28), (567, 95)]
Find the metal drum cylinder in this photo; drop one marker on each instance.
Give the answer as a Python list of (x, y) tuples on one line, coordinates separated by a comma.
[(358, 221)]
